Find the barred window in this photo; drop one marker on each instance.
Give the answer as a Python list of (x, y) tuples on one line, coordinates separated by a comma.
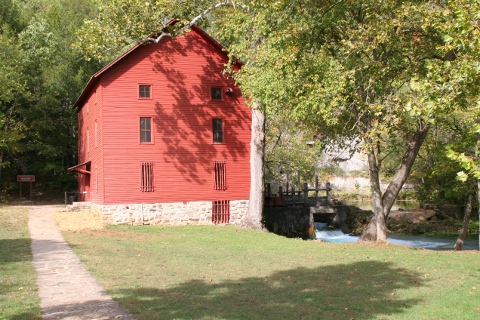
[(219, 175), (147, 177), (221, 211)]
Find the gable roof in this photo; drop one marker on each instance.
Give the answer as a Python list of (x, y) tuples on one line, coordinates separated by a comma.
[(96, 77)]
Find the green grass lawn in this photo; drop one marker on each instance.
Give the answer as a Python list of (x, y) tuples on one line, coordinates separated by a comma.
[(18, 289), (218, 272)]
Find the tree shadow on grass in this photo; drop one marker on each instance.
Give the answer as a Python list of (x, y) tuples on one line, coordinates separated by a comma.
[(16, 292), (15, 250), (359, 290)]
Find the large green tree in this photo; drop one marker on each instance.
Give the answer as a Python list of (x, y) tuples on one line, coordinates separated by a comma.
[(354, 69)]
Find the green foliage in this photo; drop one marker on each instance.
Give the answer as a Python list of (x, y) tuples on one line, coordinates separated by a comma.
[(434, 170), (41, 78), (10, 16), (290, 147), (120, 24)]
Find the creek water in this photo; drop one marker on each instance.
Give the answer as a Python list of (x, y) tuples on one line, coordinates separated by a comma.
[(328, 234)]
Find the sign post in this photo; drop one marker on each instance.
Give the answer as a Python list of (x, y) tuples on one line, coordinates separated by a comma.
[(26, 178)]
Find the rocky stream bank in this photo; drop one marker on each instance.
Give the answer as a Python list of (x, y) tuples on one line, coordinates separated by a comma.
[(446, 219)]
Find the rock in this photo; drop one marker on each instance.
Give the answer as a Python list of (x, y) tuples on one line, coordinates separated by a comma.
[(410, 216)]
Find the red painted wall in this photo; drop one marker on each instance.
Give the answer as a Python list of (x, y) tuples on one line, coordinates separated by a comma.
[(182, 72), (90, 148)]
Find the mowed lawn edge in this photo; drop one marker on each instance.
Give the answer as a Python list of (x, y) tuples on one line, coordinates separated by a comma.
[(225, 272), (18, 289)]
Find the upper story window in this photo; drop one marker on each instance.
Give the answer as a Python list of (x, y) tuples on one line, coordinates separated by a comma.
[(217, 128), (145, 130), (144, 91), (216, 93)]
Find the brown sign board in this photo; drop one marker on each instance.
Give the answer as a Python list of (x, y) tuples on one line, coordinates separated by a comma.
[(25, 178)]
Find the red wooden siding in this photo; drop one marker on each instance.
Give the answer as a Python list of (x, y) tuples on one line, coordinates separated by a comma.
[(89, 148), (181, 73)]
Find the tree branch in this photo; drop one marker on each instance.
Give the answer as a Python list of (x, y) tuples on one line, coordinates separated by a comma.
[(205, 12)]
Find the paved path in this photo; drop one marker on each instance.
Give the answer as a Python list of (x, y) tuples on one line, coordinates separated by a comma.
[(66, 289)]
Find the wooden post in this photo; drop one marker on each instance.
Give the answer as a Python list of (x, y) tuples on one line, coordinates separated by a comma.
[(298, 174), (327, 185), (293, 196), (316, 186), (268, 190), (20, 189), (288, 182), (305, 194), (280, 192)]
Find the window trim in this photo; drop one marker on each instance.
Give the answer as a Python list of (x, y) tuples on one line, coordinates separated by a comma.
[(215, 130), (139, 91), (139, 124)]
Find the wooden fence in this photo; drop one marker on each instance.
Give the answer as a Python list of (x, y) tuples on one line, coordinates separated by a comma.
[(293, 196)]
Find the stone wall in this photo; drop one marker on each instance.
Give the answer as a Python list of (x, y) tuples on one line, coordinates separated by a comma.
[(292, 222), (175, 213)]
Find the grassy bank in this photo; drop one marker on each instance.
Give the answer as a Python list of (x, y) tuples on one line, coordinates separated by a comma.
[(18, 289), (218, 272)]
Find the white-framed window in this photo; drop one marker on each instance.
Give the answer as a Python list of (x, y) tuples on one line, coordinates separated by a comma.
[(145, 129), (145, 91)]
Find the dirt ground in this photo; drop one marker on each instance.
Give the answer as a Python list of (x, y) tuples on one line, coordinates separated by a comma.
[(77, 221)]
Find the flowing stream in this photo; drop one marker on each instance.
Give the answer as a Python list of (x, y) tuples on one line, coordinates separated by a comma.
[(328, 234)]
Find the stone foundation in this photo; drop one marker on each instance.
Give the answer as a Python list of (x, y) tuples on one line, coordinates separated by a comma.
[(291, 222), (175, 213)]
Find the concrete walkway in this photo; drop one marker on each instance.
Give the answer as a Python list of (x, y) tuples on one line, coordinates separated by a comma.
[(66, 289)]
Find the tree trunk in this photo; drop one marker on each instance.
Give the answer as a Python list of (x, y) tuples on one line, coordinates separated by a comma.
[(254, 215), (376, 230), (391, 193), (478, 186), (1, 163), (466, 220)]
